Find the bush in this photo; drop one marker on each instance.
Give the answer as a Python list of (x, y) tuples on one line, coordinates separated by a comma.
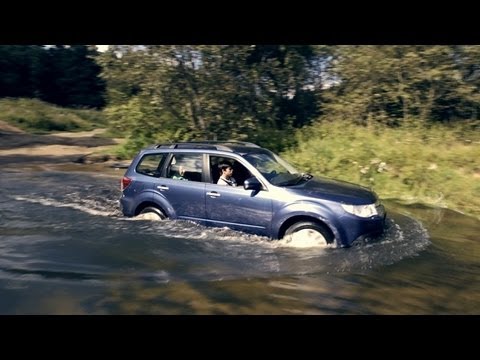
[(438, 165)]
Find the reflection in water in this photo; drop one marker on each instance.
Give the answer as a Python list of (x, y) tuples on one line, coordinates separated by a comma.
[(65, 248)]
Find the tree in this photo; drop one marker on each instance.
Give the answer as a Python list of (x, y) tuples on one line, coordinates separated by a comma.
[(216, 92), (63, 75), (400, 84), (69, 76), (17, 66)]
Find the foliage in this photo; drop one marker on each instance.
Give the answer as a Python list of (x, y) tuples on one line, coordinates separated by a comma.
[(436, 165), (397, 85), (62, 75), (262, 93), (40, 117), (142, 125), (17, 68), (403, 119), (251, 93)]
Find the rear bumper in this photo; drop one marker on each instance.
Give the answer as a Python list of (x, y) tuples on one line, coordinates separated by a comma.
[(126, 206)]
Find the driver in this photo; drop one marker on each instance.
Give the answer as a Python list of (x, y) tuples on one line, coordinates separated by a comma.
[(226, 177)]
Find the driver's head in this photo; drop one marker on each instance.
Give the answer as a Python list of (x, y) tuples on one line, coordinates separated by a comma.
[(225, 169)]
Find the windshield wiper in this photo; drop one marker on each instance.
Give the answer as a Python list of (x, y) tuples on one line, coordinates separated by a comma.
[(297, 180), (303, 176)]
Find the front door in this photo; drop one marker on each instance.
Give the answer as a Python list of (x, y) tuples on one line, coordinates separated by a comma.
[(239, 209)]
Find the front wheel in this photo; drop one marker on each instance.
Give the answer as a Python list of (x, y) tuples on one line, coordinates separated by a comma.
[(310, 231), (152, 213)]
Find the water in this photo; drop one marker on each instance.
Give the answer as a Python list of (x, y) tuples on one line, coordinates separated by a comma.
[(66, 249)]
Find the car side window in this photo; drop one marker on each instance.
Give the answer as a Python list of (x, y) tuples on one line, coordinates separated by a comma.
[(151, 164), (187, 167), (240, 172)]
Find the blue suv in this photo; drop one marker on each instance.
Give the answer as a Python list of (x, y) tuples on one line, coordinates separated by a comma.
[(271, 198)]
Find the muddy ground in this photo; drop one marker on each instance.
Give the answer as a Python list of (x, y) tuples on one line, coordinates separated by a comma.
[(20, 149)]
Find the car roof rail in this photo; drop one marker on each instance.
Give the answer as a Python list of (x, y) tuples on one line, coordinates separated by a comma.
[(208, 145)]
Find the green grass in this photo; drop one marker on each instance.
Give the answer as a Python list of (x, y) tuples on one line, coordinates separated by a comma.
[(35, 116), (438, 166)]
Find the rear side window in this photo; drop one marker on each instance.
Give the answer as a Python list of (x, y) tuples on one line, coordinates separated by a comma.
[(151, 164), (185, 167)]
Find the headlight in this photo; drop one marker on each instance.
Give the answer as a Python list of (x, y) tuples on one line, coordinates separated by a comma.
[(363, 211)]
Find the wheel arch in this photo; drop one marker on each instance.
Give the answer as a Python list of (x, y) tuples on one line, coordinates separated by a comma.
[(146, 204), (300, 218)]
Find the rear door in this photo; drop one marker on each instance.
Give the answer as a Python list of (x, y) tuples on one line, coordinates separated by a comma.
[(185, 194)]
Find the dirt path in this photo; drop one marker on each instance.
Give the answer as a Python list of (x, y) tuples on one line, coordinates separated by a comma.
[(5, 127), (18, 147)]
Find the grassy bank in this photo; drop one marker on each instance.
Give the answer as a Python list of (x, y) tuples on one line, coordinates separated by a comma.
[(438, 166), (35, 116)]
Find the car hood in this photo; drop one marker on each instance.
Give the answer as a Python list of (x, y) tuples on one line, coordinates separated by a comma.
[(335, 190)]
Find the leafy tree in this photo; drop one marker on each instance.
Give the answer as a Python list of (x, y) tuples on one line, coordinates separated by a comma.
[(217, 92), (69, 76), (63, 75), (17, 68), (398, 84)]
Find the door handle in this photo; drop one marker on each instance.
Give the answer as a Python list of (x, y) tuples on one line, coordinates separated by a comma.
[(162, 187), (213, 194)]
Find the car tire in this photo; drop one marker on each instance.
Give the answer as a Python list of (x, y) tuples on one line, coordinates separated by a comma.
[(312, 230), (152, 213)]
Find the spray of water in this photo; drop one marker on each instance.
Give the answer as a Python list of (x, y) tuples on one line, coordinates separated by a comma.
[(404, 237)]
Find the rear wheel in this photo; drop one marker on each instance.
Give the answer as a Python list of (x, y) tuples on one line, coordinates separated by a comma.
[(152, 213), (308, 230)]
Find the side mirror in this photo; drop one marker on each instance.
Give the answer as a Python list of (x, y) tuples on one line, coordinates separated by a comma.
[(252, 184)]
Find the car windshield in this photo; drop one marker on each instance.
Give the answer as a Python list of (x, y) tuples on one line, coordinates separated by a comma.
[(276, 170)]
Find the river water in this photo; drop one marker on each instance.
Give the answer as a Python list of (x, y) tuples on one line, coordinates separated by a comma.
[(65, 248)]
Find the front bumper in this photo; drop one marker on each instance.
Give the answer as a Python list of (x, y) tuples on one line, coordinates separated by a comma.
[(357, 228)]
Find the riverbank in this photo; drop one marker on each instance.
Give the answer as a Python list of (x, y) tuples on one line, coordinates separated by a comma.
[(73, 150), (437, 166)]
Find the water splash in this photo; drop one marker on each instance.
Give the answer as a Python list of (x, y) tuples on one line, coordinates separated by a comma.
[(302, 243), (224, 252), (89, 206)]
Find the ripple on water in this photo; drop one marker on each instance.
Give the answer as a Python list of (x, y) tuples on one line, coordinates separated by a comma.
[(239, 254)]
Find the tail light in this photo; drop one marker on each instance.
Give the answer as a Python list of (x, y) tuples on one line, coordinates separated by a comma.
[(124, 183)]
